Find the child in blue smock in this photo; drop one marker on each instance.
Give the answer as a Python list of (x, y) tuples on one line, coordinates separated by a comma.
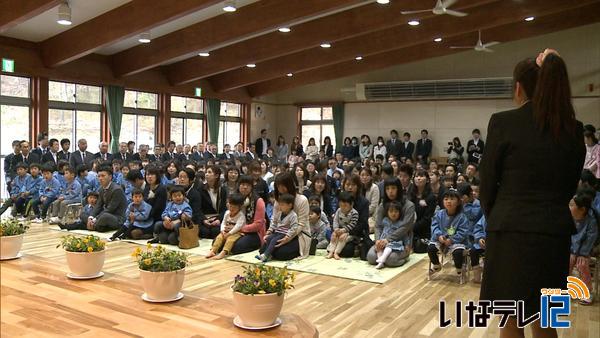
[(138, 221), (48, 193), (70, 194), (391, 225), (478, 248), (167, 230)]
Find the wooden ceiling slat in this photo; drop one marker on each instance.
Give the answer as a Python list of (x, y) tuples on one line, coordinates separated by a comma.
[(256, 18), (14, 12), (343, 25), (505, 33), (389, 39), (113, 26)]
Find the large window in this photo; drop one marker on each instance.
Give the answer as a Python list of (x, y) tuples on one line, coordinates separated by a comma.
[(15, 105), (229, 124), (139, 118), (187, 116), (317, 122), (74, 113)]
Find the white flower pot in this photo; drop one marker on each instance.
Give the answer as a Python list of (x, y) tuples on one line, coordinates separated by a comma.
[(260, 310), (162, 286), (85, 264), (10, 246)]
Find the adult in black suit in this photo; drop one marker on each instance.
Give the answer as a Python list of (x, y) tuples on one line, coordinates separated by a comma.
[(52, 154), (143, 155), (81, 156), (211, 152), (407, 148), (393, 145), (25, 156), (170, 153), (103, 153), (251, 154), (123, 153), (526, 205), (424, 146), (42, 148), (65, 153), (475, 147), (327, 147), (226, 155), (212, 212), (262, 143), (198, 155), (109, 212)]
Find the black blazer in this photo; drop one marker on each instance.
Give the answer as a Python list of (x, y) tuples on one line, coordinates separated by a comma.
[(111, 200), (407, 151), (166, 157), (31, 158), (49, 158), (64, 155), (518, 191), (75, 160), (109, 156), (197, 156), (393, 148), (149, 157), (328, 149), (207, 207), (158, 202), (259, 146), (123, 157), (424, 149)]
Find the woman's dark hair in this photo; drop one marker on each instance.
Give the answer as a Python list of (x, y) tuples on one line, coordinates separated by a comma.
[(232, 168), (393, 205), (370, 173), (327, 138), (456, 141), (305, 175), (426, 192), (280, 140), (133, 175), (191, 174), (153, 170), (526, 74), (587, 177), (217, 172), (552, 107), (591, 135), (453, 193), (176, 164), (319, 177), (286, 179), (393, 181), (347, 139), (354, 179)]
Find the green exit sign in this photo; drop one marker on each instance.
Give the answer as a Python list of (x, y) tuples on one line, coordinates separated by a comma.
[(198, 91), (8, 65)]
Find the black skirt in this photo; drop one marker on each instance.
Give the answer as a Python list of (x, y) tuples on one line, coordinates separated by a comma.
[(518, 265)]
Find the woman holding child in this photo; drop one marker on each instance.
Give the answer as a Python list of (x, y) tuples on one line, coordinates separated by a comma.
[(253, 231)]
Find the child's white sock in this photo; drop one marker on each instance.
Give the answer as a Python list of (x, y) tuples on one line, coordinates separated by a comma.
[(384, 255)]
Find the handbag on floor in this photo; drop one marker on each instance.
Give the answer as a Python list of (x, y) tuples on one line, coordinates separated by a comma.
[(188, 235), (313, 246)]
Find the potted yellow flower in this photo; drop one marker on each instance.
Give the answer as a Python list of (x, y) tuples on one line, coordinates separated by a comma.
[(161, 272), (11, 238), (258, 295), (85, 256)]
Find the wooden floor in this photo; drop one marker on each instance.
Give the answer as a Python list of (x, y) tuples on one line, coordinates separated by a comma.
[(406, 306)]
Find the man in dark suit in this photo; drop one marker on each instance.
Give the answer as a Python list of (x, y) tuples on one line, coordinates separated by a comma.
[(52, 154), (251, 154), (9, 171), (142, 154), (239, 151), (25, 156), (262, 143), (198, 155), (103, 153), (475, 147), (407, 148), (65, 153), (109, 212), (123, 153), (42, 147), (226, 155), (211, 151), (393, 144), (170, 153), (424, 146), (81, 156)]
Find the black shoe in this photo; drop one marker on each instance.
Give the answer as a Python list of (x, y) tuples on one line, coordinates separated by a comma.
[(153, 240)]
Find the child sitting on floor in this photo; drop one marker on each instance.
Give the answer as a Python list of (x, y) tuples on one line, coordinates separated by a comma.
[(49, 190), (70, 194), (391, 224), (582, 242), (344, 221), (284, 224), (478, 248), (18, 197), (449, 230), (233, 217), (318, 228), (167, 230), (138, 223)]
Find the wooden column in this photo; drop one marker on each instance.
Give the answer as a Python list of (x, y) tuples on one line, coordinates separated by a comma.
[(39, 108), (164, 119), (245, 123)]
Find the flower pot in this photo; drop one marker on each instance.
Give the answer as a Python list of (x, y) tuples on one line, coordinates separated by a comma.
[(10, 246), (162, 286), (85, 264), (259, 310)]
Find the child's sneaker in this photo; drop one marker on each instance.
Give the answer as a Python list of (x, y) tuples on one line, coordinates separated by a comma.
[(54, 220), (261, 258), (435, 268), (37, 220)]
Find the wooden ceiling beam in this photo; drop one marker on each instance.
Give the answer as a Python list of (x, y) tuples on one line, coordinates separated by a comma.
[(256, 18), (113, 26), (542, 25), (392, 38), (14, 12), (343, 25)]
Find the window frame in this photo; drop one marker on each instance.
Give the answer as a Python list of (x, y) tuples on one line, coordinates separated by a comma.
[(319, 123), (141, 112), (175, 114), (225, 119)]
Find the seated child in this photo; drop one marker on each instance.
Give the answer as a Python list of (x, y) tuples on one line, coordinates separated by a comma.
[(583, 241), (284, 224), (233, 217), (18, 196), (315, 201), (478, 248), (138, 223), (318, 228), (344, 222), (471, 206), (269, 206), (449, 229), (33, 186), (391, 223), (48, 193), (70, 194), (89, 204), (167, 230), (118, 177)]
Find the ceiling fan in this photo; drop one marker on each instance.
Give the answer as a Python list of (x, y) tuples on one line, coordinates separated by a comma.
[(480, 46), (441, 7)]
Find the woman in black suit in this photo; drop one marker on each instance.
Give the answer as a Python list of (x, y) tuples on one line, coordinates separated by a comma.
[(214, 199), (525, 203), (327, 147)]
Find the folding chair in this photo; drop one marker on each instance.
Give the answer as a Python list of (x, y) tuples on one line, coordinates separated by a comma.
[(465, 270)]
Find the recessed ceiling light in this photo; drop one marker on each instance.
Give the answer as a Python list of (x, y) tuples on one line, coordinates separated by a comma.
[(229, 6), (325, 45), (358, 58), (289, 74), (383, 2), (64, 14), (145, 37), (413, 22), (284, 29), (437, 39), (205, 54), (251, 65), (529, 18)]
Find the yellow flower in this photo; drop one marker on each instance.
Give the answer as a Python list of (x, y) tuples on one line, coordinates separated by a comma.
[(272, 282), (148, 245), (85, 240), (261, 292), (90, 249), (147, 261), (78, 245), (257, 271)]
